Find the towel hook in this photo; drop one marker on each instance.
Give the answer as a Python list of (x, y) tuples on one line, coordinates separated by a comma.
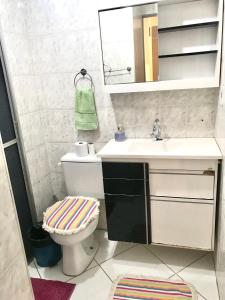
[(85, 75)]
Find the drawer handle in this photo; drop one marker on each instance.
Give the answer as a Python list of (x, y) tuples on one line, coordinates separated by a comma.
[(209, 173), (125, 195)]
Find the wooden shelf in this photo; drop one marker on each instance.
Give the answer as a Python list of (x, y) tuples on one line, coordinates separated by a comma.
[(187, 53), (214, 22)]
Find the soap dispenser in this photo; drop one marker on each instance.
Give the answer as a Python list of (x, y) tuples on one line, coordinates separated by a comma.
[(120, 134)]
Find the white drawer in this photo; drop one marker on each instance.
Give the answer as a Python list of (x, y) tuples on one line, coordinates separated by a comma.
[(182, 185), (182, 164), (182, 224)]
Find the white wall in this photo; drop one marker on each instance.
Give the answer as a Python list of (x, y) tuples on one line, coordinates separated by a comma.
[(220, 137), (27, 90), (57, 39)]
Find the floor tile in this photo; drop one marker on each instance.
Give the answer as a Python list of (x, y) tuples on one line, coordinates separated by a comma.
[(53, 273), (138, 261), (176, 258), (176, 277), (201, 298), (93, 284), (108, 249), (56, 273), (33, 270), (92, 264), (202, 275)]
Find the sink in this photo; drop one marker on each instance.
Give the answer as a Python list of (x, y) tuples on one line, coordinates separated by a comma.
[(153, 146), (180, 148)]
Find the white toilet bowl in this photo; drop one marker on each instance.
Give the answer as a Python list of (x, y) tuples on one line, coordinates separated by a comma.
[(78, 248), (83, 176)]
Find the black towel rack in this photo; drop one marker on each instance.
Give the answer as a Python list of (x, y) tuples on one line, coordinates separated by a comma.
[(83, 75)]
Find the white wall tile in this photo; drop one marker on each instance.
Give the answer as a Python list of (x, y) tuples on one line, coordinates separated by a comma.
[(18, 52), (58, 185), (56, 151), (14, 15), (43, 195), (33, 133), (38, 166), (61, 126), (28, 93)]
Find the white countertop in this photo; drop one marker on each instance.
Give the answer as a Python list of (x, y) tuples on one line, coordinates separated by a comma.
[(174, 148)]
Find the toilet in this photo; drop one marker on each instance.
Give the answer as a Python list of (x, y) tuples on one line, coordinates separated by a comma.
[(84, 185)]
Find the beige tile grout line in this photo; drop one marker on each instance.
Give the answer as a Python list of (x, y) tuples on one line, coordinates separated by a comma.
[(106, 273), (86, 270), (176, 273), (116, 254), (37, 269), (99, 264), (184, 280)]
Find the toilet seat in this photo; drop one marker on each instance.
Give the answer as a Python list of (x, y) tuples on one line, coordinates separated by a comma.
[(70, 215)]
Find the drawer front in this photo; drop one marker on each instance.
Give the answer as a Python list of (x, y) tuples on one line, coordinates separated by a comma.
[(123, 170), (182, 185), (183, 164), (124, 186), (182, 224), (126, 218)]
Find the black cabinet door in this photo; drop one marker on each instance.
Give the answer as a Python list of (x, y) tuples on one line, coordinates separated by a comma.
[(126, 218), (123, 170), (124, 186)]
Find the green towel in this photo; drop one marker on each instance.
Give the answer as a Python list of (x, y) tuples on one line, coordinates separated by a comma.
[(85, 110)]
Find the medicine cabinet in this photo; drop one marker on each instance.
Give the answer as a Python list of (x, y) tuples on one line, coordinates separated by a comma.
[(161, 45)]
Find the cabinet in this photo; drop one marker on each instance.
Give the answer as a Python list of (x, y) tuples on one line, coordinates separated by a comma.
[(178, 46), (162, 201), (183, 201), (126, 188), (185, 224)]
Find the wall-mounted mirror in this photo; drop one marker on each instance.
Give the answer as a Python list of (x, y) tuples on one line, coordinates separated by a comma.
[(168, 40), (130, 44)]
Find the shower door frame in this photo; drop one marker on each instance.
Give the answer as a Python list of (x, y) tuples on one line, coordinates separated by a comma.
[(18, 140)]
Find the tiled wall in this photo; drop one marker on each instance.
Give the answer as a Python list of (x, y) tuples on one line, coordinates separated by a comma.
[(57, 39), (14, 281), (220, 137), (26, 87)]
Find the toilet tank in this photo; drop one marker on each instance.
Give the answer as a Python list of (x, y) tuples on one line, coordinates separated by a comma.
[(83, 175)]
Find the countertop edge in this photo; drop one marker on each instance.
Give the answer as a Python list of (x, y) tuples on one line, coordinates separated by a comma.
[(202, 157)]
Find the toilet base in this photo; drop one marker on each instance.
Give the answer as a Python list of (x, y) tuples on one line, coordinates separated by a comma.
[(77, 258)]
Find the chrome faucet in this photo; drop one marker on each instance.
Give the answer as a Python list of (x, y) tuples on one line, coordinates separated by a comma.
[(156, 131)]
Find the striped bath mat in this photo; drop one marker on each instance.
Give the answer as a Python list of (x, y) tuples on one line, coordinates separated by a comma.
[(150, 288), (70, 215)]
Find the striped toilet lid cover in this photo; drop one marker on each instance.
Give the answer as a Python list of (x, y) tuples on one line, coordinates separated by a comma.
[(70, 215)]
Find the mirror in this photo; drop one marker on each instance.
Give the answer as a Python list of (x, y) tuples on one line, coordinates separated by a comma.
[(169, 40), (130, 44)]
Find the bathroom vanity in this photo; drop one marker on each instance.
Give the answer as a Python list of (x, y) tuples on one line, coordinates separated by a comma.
[(161, 192)]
